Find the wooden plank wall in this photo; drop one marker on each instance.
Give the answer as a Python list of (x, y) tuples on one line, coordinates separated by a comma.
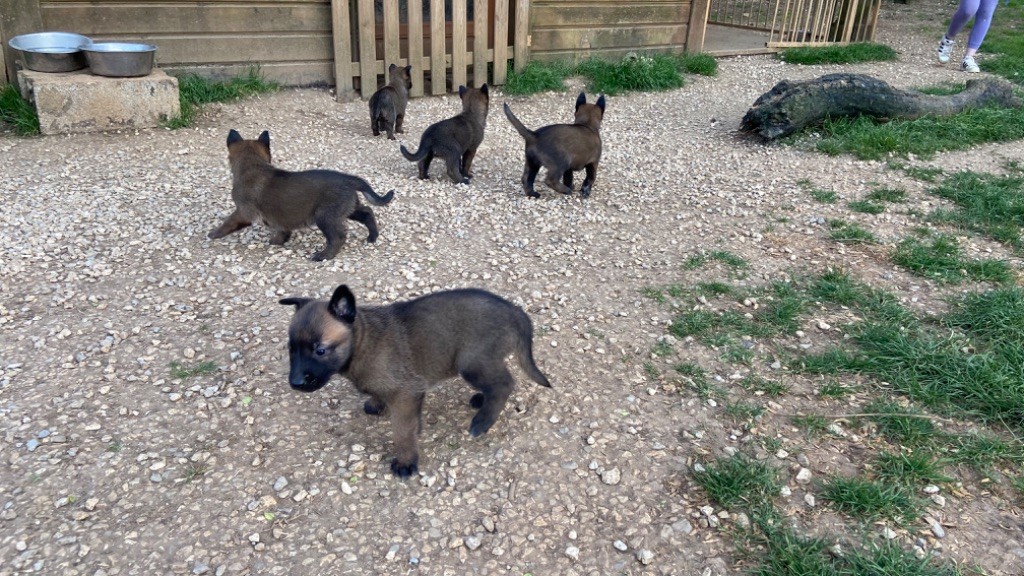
[(578, 29), (291, 39)]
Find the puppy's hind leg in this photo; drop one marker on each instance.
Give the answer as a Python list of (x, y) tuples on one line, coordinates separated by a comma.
[(588, 182), (529, 176), (374, 406), (553, 182), (454, 164), (334, 232), (233, 223), (467, 163), (389, 124), (365, 216), (405, 411), (567, 179), (424, 165), (494, 382), (280, 237)]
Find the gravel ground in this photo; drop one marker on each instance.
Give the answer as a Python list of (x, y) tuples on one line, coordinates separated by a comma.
[(113, 465)]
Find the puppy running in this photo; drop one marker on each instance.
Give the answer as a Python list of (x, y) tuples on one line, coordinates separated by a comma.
[(563, 148), (287, 201), (387, 105), (456, 139), (396, 353)]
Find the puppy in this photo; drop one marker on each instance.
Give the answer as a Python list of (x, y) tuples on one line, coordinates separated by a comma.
[(287, 201), (387, 105), (563, 148), (455, 140), (396, 353)]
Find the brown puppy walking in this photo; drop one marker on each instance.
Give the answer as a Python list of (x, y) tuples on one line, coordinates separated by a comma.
[(387, 105), (456, 139), (396, 353), (563, 148), (287, 201)]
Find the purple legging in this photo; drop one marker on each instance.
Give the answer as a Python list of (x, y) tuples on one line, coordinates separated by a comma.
[(981, 11)]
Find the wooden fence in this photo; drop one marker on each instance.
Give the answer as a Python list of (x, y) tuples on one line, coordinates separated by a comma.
[(443, 43)]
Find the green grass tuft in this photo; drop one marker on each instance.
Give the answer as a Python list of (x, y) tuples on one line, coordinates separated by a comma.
[(725, 257), (909, 469), (850, 233), (183, 371), (17, 113), (537, 77), (195, 91), (866, 207), (989, 204), (645, 73), (824, 196), (871, 500), (699, 63), (941, 260), (887, 195), (739, 482), (849, 54)]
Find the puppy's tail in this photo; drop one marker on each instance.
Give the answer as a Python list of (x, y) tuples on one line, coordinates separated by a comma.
[(524, 353), (525, 132), (374, 198), (414, 157)]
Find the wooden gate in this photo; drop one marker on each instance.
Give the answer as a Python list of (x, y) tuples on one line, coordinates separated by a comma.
[(790, 23), (439, 38)]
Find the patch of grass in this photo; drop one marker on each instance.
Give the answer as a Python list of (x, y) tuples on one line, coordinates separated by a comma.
[(869, 138), (181, 371), (907, 427), (824, 196), (731, 260), (654, 294), (714, 288), (743, 411), (661, 348), (887, 195), (698, 63), (889, 559), (739, 482), (835, 389), (194, 471), (17, 113), (737, 353), (990, 204), (811, 424), (753, 383), (850, 233), (537, 77), (696, 379), (909, 469), (871, 500), (1005, 41), (839, 287), (849, 54), (195, 91), (651, 371), (635, 72), (866, 207), (941, 260), (982, 451), (943, 89)]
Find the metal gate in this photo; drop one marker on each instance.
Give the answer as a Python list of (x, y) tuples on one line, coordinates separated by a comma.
[(792, 23), (439, 38)]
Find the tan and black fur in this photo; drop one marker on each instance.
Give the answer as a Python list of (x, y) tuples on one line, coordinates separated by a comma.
[(456, 139), (396, 353), (387, 105), (287, 201), (563, 148)]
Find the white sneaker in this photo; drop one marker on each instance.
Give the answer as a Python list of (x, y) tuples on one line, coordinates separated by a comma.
[(945, 49), (969, 65)]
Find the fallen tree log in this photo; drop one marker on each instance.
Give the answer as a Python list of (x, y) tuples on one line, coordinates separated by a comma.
[(791, 106)]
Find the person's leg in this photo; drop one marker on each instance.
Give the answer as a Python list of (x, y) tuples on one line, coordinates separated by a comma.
[(966, 11), (982, 20)]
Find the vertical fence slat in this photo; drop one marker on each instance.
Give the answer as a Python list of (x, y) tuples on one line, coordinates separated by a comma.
[(500, 40), (367, 49), (416, 46), (521, 46), (458, 43), (480, 25), (851, 15), (392, 48), (438, 70), (342, 32)]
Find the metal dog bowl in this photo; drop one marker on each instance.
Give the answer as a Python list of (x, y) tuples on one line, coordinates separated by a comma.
[(120, 59), (51, 51)]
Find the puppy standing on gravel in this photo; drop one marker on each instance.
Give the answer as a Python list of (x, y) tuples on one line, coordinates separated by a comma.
[(387, 105), (287, 201), (396, 353), (455, 140), (563, 148)]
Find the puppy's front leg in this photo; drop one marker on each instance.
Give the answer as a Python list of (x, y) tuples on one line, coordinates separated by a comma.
[(233, 223), (405, 412), (588, 183)]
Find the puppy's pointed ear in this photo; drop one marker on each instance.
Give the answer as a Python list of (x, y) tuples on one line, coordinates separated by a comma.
[(392, 68), (462, 91), (408, 68), (581, 100), (233, 136), (484, 89), (343, 304), (600, 103), (297, 302), (265, 139)]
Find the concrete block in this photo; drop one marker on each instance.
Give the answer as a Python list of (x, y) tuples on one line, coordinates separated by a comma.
[(83, 102)]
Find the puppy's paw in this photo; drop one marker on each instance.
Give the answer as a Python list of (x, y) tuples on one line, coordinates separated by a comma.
[(404, 470), (477, 400), (214, 234), (373, 407), (480, 425)]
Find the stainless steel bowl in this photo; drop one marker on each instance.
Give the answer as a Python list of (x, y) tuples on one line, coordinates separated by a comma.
[(119, 59), (50, 51)]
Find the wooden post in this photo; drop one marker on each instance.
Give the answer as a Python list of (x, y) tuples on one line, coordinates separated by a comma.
[(458, 43), (341, 29), (416, 46), (521, 46), (16, 17), (367, 49), (697, 27), (500, 41), (392, 50), (438, 67), (480, 26)]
